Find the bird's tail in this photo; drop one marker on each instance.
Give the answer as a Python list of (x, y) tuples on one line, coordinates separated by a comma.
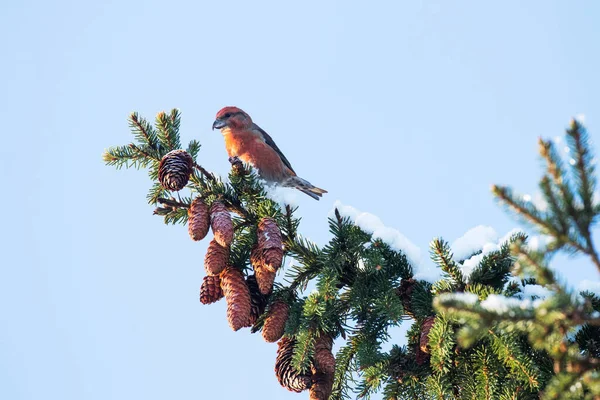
[(305, 187)]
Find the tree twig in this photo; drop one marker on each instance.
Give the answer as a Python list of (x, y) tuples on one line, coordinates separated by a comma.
[(205, 173), (172, 203)]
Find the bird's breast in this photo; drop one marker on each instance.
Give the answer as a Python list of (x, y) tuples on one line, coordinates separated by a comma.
[(252, 150)]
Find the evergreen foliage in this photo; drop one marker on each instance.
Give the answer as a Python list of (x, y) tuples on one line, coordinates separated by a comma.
[(473, 336)]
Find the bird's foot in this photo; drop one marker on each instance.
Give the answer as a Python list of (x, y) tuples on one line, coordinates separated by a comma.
[(234, 160), (237, 165)]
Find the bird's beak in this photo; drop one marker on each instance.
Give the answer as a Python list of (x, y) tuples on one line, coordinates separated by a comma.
[(218, 124)]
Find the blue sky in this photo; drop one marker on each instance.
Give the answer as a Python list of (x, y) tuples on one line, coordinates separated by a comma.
[(406, 109)]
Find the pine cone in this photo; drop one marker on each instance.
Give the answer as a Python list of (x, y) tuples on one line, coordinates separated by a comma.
[(221, 224), (420, 357), (175, 169), (322, 385), (210, 290), (277, 317), (324, 359), (216, 258), (286, 374), (264, 277), (405, 292), (270, 244), (258, 300), (238, 298), (272, 258), (198, 219), (424, 338)]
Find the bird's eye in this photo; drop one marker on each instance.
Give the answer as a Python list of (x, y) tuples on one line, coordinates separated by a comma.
[(227, 115)]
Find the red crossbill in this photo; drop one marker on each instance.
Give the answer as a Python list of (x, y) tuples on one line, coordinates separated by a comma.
[(247, 141)]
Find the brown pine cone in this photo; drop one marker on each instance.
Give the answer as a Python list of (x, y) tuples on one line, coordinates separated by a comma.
[(238, 298), (322, 385), (424, 338), (221, 224), (198, 219), (277, 317), (210, 290), (270, 244), (265, 279), (258, 300), (405, 292), (175, 169), (324, 359), (264, 276), (272, 258), (420, 357), (216, 258), (286, 374)]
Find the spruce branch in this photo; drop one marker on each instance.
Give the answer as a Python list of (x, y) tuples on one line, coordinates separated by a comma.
[(173, 203), (442, 256), (208, 175), (527, 212), (510, 354), (578, 141), (168, 129), (144, 153), (156, 193), (556, 208), (143, 131)]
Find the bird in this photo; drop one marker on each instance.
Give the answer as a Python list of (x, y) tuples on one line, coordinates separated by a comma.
[(251, 144)]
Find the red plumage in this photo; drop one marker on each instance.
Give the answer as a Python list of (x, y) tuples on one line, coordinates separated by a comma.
[(247, 141)]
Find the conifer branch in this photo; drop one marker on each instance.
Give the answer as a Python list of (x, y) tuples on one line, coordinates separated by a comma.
[(441, 255), (584, 167), (172, 203), (143, 131), (143, 152), (208, 175), (522, 209), (512, 357)]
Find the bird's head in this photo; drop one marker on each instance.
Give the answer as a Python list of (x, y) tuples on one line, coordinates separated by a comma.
[(232, 117)]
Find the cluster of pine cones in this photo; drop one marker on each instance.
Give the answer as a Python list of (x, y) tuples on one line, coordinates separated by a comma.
[(247, 298)]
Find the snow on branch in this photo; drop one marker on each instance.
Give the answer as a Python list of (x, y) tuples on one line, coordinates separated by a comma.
[(372, 224)]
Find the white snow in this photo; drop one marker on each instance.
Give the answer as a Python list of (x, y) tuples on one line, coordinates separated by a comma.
[(508, 235), (472, 241), (539, 242), (372, 224), (482, 238), (344, 210), (361, 264), (281, 195), (589, 286), (469, 265), (502, 304), (427, 272), (466, 298), (527, 197), (536, 291)]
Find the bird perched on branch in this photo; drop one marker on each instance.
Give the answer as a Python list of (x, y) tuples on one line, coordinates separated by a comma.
[(247, 141)]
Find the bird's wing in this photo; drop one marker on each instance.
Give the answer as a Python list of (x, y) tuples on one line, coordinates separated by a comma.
[(269, 141)]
